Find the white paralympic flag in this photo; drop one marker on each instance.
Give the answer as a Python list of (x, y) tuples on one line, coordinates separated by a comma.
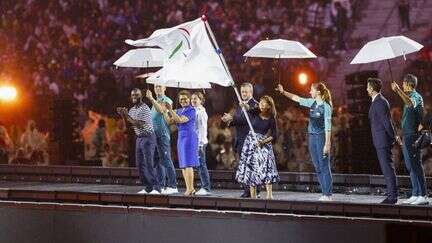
[(189, 55)]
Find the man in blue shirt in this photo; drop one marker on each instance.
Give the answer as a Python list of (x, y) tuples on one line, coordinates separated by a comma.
[(167, 174), (411, 122)]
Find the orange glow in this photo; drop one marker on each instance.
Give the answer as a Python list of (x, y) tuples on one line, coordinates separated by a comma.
[(303, 78), (8, 93)]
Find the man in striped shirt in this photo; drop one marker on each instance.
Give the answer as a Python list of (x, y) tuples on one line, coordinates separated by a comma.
[(139, 116)]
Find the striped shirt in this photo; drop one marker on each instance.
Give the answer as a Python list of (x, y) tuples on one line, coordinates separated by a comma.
[(142, 113)]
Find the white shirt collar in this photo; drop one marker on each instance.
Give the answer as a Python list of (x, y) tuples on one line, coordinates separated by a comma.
[(373, 97)]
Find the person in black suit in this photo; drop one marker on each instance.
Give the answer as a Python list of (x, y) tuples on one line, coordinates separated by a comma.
[(383, 137), (238, 120)]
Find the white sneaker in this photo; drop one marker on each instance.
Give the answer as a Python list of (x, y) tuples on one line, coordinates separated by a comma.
[(154, 192), (143, 191), (169, 191), (202, 192), (325, 198), (420, 201), (410, 200)]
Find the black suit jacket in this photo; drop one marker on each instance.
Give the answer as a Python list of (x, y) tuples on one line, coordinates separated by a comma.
[(383, 134), (241, 126)]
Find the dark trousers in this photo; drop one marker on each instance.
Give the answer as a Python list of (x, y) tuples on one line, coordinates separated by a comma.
[(144, 158), (413, 163), (388, 170)]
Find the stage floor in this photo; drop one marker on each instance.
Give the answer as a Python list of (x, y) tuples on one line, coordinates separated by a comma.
[(232, 194)]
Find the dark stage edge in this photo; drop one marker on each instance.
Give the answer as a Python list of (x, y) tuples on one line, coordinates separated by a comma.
[(47, 222), (220, 179), (348, 207)]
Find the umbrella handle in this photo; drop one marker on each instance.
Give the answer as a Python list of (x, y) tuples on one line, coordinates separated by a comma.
[(391, 73)]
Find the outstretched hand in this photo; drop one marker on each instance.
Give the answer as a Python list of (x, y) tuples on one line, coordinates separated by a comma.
[(149, 95), (280, 88), (227, 117), (122, 111), (394, 86)]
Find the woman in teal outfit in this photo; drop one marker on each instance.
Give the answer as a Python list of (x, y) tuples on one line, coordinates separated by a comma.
[(319, 131)]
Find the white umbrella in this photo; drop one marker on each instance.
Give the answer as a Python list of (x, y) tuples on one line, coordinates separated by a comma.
[(278, 49), (144, 75), (155, 78), (141, 58), (386, 48)]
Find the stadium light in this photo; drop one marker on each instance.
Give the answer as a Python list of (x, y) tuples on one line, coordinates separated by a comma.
[(8, 93), (303, 78)]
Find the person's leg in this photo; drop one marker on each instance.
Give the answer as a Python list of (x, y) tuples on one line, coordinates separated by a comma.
[(315, 159), (269, 191), (238, 148), (253, 193), (149, 166), (139, 162), (202, 169), (324, 165), (408, 159), (417, 166), (185, 178), (160, 168), (191, 179), (388, 170), (166, 161)]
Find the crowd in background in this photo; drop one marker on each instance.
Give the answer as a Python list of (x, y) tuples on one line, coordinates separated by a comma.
[(65, 48)]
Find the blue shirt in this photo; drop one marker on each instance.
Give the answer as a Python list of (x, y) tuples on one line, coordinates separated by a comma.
[(412, 116), (320, 115), (160, 126)]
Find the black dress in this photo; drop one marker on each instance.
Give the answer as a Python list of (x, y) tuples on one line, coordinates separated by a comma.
[(257, 166)]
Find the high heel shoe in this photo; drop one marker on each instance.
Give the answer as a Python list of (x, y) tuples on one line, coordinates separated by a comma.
[(192, 193)]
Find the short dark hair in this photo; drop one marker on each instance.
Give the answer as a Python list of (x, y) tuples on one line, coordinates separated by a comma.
[(246, 84), (411, 80), (136, 90), (375, 83), (184, 92)]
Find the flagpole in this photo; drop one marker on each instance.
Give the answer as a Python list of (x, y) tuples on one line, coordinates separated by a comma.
[(222, 58)]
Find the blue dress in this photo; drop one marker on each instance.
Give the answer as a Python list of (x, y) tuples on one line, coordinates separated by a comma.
[(187, 142)]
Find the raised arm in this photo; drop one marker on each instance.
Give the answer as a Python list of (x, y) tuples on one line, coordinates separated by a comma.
[(159, 108), (287, 94), (405, 98)]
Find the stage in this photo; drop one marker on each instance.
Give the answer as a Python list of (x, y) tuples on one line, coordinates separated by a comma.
[(89, 204)]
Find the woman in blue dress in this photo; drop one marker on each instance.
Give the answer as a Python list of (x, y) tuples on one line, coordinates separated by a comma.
[(257, 165), (319, 130), (187, 141)]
